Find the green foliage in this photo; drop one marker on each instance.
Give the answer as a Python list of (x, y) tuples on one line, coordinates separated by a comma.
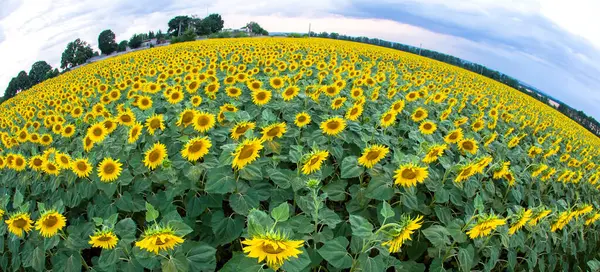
[(76, 53), (39, 72), (135, 41), (122, 47), (106, 42), (188, 36)]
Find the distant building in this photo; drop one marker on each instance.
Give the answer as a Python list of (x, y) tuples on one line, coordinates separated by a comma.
[(148, 43)]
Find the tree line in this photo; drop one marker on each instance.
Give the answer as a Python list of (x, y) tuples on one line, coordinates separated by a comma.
[(578, 116)]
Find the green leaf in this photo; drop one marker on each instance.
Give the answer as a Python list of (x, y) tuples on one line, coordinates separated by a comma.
[(240, 262), (360, 227), (437, 266), (202, 257), (334, 251), (108, 258), (251, 172), (38, 260), (174, 264), (350, 168), (386, 210), (594, 265), (17, 199), (226, 229), (380, 189), (281, 213), (336, 190), (242, 203), (125, 230), (220, 181), (180, 228), (368, 263), (258, 222), (151, 213), (479, 203), (281, 177), (437, 235), (466, 257), (297, 264)]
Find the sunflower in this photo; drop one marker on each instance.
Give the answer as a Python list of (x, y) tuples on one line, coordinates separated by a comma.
[(109, 170), (387, 119), (490, 139), (175, 96), (144, 102), (81, 167), (88, 144), (154, 123), (273, 131), (337, 103), (539, 215), (241, 128), (134, 133), (354, 112), (397, 106), (158, 238), (51, 168), (19, 223), (276, 82), (204, 121), (105, 239), (19, 163), (50, 223), (468, 145), (302, 119), (419, 114), (63, 160), (186, 118), (233, 92), (402, 232), (254, 85), (434, 153), (314, 161), (409, 175), (290, 92), (196, 148), (333, 126), (196, 100), (96, 133), (427, 127), (272, 246), (246, 152), (592, 218), (521, 218), (372, 155), (36, 163), (485, 225), (110, 125), (261, 97), (155, 156), (68, 131), (563, 219)]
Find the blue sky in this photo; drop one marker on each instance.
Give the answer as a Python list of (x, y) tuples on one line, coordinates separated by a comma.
[(550, 44)]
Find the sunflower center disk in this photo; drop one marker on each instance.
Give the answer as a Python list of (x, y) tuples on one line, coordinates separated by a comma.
[(409, 174), (269, 249), (19, 223), (50, 221), (246, 152)]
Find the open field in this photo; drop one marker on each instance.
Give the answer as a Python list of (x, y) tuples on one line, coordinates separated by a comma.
[(291, 154)]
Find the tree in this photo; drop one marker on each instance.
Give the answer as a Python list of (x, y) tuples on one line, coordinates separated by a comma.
[(334, 35), (160, 35), (255, 28), (11, 89), (122, 47), (324, 35), (188, 35), (136, 41), (214, 23), (52, 73), (178, 24), (106, 42), (151, 34), (38, 72), (76, 53)]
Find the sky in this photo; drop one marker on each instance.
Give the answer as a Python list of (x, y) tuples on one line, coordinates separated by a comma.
[(553, 45)]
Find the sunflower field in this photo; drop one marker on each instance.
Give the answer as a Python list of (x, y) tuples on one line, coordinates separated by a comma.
[(264, 154)]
